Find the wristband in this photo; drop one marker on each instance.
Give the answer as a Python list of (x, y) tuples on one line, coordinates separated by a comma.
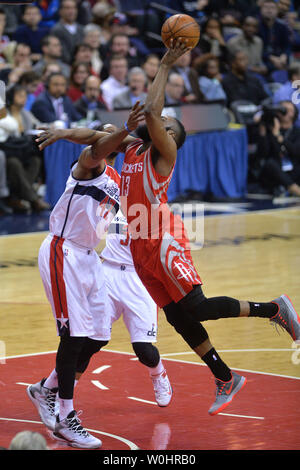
[(126, 127)]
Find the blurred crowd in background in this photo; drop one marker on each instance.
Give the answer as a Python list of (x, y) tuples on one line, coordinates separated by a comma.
[(64, 62)]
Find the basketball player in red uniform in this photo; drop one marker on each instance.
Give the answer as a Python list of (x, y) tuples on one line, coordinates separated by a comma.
[(160, 247)]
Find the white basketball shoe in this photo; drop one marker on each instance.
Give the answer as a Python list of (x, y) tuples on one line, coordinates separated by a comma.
[(70, 431), (162, 388), (44, 399)]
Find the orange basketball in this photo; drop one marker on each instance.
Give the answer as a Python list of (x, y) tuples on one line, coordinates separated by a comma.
[(180, 26)]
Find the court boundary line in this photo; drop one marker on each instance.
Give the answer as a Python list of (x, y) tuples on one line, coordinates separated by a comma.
[(164, 358)]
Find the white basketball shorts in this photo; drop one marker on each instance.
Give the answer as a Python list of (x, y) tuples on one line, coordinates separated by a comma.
[(127, 296), (73, 279)]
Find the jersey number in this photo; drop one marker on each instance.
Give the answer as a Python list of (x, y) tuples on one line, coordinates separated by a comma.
[(125, 182)]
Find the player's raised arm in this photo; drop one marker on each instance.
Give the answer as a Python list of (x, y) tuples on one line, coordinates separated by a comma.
[(154, 104)]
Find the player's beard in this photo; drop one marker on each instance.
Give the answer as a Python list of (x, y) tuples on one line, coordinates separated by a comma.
[(143, 133)]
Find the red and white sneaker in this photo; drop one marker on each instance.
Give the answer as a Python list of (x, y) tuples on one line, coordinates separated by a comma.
[(162, 388)]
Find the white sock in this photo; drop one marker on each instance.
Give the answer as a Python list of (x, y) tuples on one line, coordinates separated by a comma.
[(65, 407), (156, 370), (51, 381)]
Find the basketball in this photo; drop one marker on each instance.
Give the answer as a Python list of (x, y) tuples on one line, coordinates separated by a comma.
[(180, 26)]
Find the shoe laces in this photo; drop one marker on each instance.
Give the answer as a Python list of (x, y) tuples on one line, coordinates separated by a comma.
[(160, 384), (278, 320), (75, 426), (50, 399)]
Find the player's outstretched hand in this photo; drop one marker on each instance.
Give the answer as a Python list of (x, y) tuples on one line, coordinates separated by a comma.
[(49, 137), (177, 48), (136, 116)]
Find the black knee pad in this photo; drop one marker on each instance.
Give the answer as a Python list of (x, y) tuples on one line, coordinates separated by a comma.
[(146, 353), (90, 347), (201, 308), (190, 329)]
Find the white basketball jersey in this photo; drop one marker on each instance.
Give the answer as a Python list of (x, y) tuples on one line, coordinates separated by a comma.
[(86, 208), (117, 249)]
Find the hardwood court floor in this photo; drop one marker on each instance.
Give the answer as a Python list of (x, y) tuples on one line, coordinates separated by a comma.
[(249, 256)]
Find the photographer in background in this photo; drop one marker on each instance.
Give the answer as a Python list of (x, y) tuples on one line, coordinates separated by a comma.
[(278, 148)]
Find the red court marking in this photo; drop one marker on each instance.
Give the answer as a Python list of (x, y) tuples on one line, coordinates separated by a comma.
[(184, 425)]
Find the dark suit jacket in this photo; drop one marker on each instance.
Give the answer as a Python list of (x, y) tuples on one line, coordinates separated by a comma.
[(81, 106), (43, 109)]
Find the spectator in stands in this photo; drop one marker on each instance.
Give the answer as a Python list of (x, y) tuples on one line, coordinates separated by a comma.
[(211, 44), (92, 36), (84, 53), (23, 157), (79, 73), (278, 151), (28, 440), (195, 9), (275, 36), (239, 84), (4, 39), (21, 63), (116, 81), (150, 67), (287, 91), (30, 80), (249, 42), (53, 104), (192, 92), (91, 102), (135, 91), (47, 71), (49, 11), (51, 53), (174, 94), (103, 15), (69, 32), (31, 32), (210, 81), (120, 45)]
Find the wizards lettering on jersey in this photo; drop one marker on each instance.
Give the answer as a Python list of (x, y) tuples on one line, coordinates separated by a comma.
[(132, 167)]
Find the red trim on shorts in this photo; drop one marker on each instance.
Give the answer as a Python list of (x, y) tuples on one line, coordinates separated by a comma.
[(57, 279)]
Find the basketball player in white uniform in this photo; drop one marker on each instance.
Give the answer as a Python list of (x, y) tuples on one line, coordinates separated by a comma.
[(72, 273), (127, 296)]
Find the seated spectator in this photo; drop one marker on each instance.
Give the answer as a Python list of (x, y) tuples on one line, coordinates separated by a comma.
[(4, 39), (210, 81), (120, 45), (211, 44), (84, 54), (53, 104), (92, 37), (69, 32), (116, 81), (49, 11), (51, 53), (103, 15), (79, 73), (286, 91), (30, 81), (250, 43), (278, 151), (275, 36), (23, 157), (174, 94), (91, 102), (135, 91), (192, 92), (47, 71), (31, 32), (239, 84), (150, 67), (21, 63)]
